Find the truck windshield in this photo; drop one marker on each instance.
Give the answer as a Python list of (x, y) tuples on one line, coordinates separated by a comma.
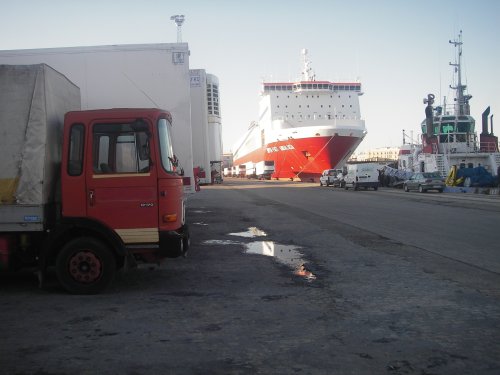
[(166, 149)]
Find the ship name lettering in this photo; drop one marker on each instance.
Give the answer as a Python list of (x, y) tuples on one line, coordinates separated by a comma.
[(270, 150)]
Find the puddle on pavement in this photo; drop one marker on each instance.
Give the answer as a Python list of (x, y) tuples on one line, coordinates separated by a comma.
[(286, 254), (221, 242), (200, 211), (250, 233)]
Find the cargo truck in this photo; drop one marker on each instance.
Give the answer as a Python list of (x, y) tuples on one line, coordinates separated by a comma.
[(264, 169), (83, 192)]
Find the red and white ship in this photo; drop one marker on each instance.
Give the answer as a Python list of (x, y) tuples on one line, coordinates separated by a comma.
[(305, 127)]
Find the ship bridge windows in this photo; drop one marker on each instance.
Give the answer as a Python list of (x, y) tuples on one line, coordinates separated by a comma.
[(464, 127), (277, 88), (447, 127), (314, 86)]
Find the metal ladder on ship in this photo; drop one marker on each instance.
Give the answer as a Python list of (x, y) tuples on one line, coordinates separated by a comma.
[(496, 160), (441, 165)]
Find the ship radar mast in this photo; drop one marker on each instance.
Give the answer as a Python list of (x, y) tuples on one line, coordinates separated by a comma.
[(307, 72), (179, 20), (462, 106)]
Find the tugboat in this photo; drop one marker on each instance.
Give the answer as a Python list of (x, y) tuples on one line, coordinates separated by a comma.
[(449, 144)]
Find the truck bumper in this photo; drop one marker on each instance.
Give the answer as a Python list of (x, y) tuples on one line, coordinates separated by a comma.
[(174, 243)]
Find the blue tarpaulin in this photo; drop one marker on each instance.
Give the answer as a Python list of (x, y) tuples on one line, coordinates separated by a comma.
[(478, 176)]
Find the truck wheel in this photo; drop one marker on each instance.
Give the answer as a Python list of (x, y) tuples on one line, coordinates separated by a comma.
[(85, 266)]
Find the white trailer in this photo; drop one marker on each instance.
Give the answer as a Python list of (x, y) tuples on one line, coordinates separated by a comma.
[(121, 76), (33, 102), (249, 170), (264, 169)]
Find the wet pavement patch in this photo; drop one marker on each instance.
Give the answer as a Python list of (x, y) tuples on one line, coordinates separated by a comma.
[(285, 254), (221, 242), (250, 233)]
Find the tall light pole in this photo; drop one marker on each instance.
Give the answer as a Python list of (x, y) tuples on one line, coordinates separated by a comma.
[(179, 20)]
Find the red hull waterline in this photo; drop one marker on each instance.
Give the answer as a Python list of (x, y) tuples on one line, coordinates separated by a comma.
[(304, 158)]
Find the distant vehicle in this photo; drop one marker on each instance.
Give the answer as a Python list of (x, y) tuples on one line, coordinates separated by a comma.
[(264, 169), (363, 175), (330, 177), (425, 181), (338, 181)]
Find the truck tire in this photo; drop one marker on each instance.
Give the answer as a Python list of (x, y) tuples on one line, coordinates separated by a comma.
[(85, 266)]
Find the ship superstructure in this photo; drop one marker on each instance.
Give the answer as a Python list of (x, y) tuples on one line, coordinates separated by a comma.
[(305, 127)]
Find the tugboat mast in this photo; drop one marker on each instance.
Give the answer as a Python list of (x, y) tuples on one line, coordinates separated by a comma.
[(461, 100)]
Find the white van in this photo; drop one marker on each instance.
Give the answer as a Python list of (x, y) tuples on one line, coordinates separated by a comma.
[(364, 175)]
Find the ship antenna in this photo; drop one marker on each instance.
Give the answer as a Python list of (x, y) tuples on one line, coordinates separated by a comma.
[(307, 72), (462, 100), (179, 20)]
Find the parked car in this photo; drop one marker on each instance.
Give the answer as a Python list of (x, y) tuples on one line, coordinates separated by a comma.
[(424, 181), (330, 177)]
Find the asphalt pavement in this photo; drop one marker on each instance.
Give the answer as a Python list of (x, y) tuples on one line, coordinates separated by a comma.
[(267, 288)]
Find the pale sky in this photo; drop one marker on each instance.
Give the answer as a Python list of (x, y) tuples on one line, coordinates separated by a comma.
[(398, 49)]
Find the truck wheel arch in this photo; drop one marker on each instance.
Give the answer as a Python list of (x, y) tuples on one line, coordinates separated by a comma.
[(80, 227)]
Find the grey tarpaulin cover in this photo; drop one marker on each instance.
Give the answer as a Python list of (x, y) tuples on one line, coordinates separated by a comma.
[(33, 101)]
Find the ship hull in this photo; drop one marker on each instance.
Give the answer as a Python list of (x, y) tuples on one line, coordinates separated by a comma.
[(304, 158)]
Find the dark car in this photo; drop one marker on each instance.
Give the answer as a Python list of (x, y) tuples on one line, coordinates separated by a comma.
[(425, 181)]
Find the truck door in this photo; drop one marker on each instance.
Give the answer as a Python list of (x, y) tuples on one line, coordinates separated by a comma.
[(121, 187)]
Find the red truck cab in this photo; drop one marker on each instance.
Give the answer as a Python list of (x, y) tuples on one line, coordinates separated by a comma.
[(121, 196)]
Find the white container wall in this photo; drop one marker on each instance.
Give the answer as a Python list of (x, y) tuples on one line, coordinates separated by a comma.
[(127, 76)]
